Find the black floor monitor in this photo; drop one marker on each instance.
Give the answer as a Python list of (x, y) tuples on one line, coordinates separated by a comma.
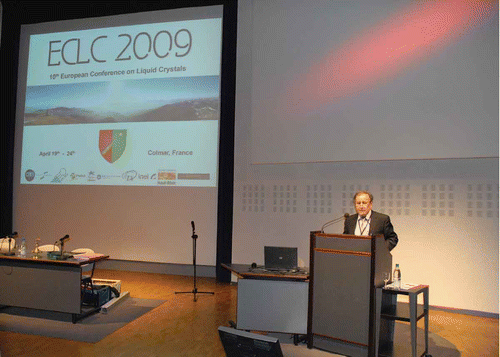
[(239, 343)]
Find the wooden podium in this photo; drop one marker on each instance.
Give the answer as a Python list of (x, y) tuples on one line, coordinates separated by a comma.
[(345, 271)]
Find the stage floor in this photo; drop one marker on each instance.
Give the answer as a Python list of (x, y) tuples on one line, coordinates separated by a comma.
[(182, 327)]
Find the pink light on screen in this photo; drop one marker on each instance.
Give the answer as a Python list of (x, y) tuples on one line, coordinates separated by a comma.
[(381, 52)]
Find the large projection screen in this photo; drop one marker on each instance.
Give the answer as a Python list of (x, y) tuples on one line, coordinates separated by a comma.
[(324, 109), (117, 133), (389, 80)]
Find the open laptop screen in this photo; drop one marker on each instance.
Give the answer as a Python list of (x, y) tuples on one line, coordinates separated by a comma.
[(280, 258)]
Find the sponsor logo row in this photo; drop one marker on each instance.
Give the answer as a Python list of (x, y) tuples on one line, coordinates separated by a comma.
[(160, 177)]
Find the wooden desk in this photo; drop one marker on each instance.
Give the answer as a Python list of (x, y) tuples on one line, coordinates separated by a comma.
[(246, 271), (42, 283), (271, 301)]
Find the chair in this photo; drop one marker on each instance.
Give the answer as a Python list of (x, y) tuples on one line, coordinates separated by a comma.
[(82, 251), (87, 274), (48, 248), (4, 245), (87, 285)]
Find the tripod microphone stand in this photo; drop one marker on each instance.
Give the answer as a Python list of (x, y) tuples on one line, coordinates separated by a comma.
[(195, 289)]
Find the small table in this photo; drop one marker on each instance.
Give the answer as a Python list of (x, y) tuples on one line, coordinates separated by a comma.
[(387, 310), (271, 301)]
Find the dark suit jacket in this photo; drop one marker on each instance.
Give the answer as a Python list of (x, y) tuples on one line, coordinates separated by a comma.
[(380, 224)]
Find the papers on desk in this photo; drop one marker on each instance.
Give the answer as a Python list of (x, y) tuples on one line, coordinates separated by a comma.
[(404, 286), (87, 256)]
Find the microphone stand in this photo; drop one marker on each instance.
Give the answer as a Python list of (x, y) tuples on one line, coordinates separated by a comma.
[(62, 250), (195, 289), (61, 242), (333, 221)]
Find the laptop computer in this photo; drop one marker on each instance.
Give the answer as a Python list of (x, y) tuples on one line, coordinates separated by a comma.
[(280, 258)]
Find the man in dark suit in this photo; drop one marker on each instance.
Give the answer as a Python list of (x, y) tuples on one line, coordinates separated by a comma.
[(368, 222)]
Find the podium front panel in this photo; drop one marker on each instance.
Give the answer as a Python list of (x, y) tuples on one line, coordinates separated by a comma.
[(341, 306), (344, 271)]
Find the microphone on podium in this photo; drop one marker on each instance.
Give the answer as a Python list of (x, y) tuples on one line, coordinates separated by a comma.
[(333, 221), (64, 239)]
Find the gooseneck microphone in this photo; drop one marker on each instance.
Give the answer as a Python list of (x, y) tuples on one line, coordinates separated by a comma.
[(192, 225), (60, 254), (333, 221)]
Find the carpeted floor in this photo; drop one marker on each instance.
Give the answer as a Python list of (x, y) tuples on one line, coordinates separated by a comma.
[(95, 327), (438, 346), (90, 329)]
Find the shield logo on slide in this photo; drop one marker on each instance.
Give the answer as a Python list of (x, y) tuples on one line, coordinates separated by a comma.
[(112, 144)]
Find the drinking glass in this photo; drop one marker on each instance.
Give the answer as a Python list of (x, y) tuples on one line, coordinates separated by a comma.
[(387, 277)]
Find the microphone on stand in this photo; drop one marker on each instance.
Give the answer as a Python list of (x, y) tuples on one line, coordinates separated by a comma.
[(333, 221), (195, 290), (61, 241), (194, 236)]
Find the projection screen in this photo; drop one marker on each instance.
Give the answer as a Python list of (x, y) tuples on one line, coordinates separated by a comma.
[(117, 133), (392, 80)]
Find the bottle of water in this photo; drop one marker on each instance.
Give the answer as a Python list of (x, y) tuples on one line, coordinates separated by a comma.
[(396, 277), (22, 248), (36, 251)]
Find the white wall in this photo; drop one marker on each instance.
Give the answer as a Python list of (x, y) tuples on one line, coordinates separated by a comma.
[(445, 210)]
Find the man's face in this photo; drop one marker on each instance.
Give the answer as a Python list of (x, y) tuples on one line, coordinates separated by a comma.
[(363, 204)]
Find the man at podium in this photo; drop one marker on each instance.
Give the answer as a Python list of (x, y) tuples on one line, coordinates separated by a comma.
[(368, 222)]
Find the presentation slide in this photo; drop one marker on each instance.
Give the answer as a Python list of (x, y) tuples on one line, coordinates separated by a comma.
[(125, 105), (117, 133)]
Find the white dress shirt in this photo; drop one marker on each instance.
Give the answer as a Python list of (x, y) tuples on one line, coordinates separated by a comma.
[(363, 225)]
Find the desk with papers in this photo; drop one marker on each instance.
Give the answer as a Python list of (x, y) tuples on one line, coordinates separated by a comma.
[(38, 282)]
